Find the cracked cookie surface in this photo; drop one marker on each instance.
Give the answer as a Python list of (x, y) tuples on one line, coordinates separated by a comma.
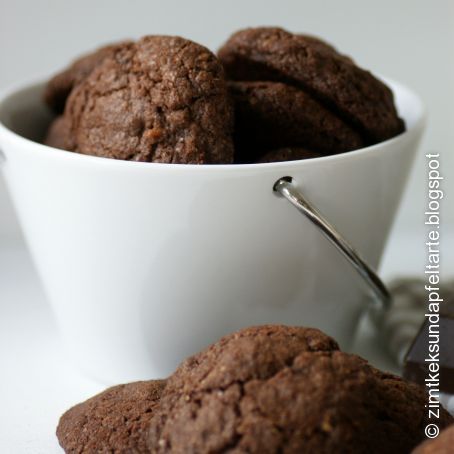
[(113, 421), (160, 99), (280, 389), (307, 63)]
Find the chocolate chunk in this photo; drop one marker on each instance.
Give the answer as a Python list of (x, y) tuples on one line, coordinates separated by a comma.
[(432, 350)]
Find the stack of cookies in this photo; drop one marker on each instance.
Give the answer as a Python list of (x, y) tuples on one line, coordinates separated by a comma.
[(266, 389), (269, 95)]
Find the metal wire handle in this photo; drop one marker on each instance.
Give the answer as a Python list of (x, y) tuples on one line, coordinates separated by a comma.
[(287, 189)]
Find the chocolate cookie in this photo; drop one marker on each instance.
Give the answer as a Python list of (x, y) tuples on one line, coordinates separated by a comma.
[(442, 444), (308, 64), (58, 134), (59, 87), (112, 421), (273, 114), (161, 99), (279, 389)]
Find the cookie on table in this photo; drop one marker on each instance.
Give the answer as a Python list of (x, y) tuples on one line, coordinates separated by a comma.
[(282, 389), (160, 99), (442, 444), (115, 420), (275, 114), (60, 86), (308, 64)]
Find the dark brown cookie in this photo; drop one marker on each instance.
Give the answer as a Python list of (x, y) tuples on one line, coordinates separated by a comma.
[(254, 352), (287, 154), (58, 134), (161, 99), (279, 389), (59, 87), (442, 444), (275, 115), (355, 95), (113, 421)]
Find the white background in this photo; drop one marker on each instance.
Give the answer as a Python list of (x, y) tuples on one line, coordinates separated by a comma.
[(411, 41)]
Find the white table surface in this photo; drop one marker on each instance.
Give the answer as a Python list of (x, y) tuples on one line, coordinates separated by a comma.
[(38, 383)]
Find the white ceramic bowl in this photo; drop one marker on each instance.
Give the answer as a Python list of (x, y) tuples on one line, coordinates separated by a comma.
[(147, 263)]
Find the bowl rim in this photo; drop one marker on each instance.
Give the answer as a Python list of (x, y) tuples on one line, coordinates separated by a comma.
[(57, 153)]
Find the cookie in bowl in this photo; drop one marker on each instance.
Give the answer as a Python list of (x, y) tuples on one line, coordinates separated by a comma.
[(297, 90), (160, 99)]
